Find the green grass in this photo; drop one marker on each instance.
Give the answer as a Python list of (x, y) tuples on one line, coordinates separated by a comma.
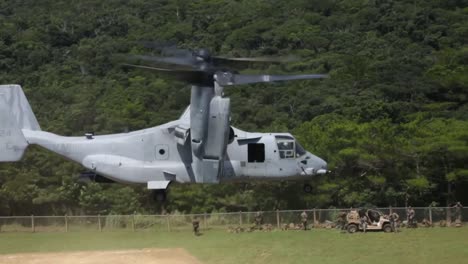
[(435, 245)]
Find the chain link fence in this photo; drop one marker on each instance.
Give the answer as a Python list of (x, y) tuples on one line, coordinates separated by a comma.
[(286, 219)]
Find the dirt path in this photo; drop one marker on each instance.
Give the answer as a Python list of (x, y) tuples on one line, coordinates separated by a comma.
[(143, 256)]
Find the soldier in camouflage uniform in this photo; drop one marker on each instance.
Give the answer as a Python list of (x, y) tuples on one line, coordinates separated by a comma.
[(196, 226), (393, 217), (458, 214), (364, 223), (458, 207), (258, 220), (342, 221), (304, 220), (411, 214)]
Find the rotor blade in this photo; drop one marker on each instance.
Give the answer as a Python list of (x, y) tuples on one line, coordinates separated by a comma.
[(190, 76), (184, 61), (226, 78), (256, 59), (158, 68)]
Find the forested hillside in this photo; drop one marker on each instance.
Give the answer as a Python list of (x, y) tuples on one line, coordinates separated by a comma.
[(392, 121)]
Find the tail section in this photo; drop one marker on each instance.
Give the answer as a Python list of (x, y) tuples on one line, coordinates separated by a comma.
[(15, 115)]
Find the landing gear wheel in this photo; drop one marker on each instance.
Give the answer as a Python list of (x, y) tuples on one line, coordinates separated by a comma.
[(160, 196), (307, 188)]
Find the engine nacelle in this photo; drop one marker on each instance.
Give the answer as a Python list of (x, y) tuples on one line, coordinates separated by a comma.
[(218, 129)]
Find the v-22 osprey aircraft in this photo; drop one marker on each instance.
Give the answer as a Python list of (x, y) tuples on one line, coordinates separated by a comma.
[(200, 147)]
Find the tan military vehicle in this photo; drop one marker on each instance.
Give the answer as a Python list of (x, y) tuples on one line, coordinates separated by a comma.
[(376, 220)]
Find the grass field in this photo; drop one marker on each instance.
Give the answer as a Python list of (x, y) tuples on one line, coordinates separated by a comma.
[(435, 245)]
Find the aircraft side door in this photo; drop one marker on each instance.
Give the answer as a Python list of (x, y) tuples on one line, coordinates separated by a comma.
[(256, 166)]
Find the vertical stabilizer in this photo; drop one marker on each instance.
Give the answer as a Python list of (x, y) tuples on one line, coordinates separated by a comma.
[(19, 106), (15, 115)]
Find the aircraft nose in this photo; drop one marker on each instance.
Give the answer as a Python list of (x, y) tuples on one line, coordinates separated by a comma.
[(316, 165)]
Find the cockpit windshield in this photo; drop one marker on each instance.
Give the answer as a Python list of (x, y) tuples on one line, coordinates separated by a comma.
[(299, 150), (289, 148)]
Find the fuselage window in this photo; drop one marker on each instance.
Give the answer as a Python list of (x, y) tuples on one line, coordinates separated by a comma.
[(256, 152)]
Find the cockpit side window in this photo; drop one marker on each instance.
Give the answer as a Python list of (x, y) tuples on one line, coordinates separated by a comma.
[(289, 148), (286, 147)]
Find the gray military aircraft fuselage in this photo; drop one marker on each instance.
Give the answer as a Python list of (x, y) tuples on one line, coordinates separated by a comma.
[(153, 156), (159, 155), (200, 147)]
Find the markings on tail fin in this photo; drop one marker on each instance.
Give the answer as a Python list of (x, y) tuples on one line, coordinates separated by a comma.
[(12, 141)]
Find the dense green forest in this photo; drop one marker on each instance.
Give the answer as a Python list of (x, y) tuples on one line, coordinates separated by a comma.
[(392, 119)]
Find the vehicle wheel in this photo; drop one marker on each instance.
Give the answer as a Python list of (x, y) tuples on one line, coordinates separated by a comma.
[(352, 228), (307, 188), (387, 228)]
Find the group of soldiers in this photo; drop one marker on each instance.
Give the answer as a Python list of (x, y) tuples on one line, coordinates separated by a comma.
[(258, 223), (342, 221), (412, 222), (393, 217), (259, 220)]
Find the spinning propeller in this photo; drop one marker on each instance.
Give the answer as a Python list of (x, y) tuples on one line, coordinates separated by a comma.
[(200, 67)]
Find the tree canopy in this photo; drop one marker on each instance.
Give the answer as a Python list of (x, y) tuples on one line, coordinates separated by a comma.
[(392, 121)]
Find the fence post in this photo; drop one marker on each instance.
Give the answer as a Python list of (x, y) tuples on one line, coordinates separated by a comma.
[(315, 216), (66, 223), (430, 215), (240, 218), (33, 228), (99, 223), (448, 217), (391, 210), (133, 222), (204, 221), (277, 219), (168, 223)]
